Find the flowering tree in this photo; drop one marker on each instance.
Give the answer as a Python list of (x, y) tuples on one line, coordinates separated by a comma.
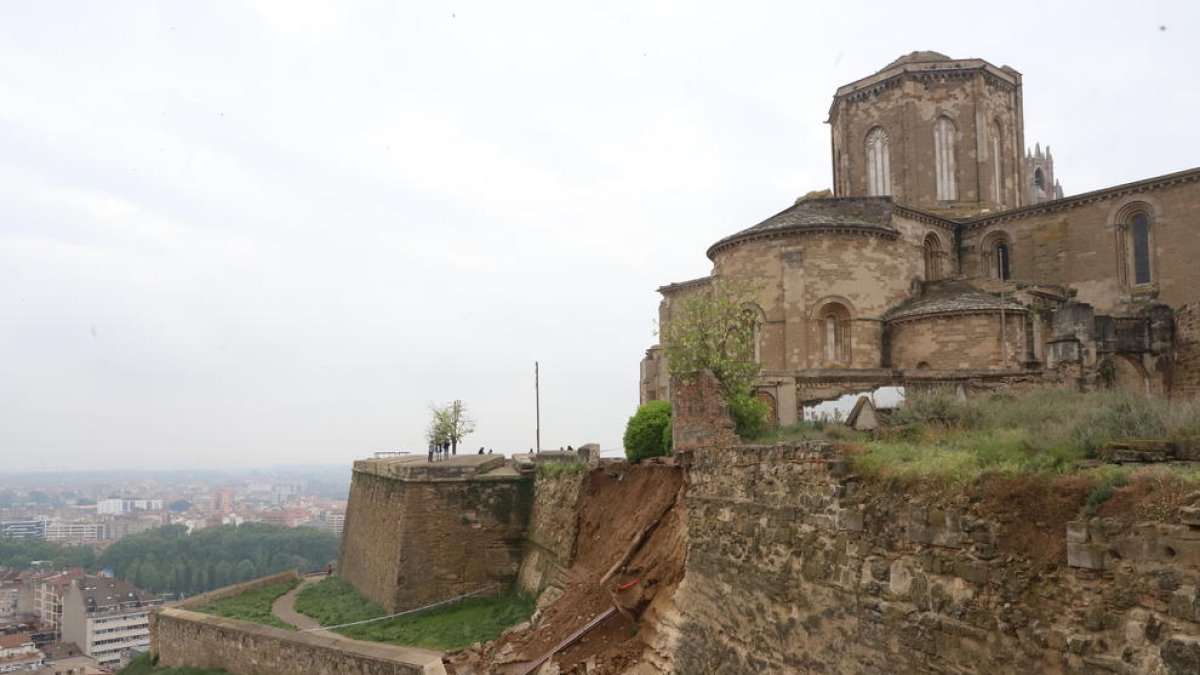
[(715, 330), (449, 424)]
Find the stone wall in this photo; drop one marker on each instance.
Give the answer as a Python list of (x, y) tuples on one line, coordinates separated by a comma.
[(418, 532), (1185, 372), (236, 589), (181, 638), (962, 341), (553, 526), (794, 566)]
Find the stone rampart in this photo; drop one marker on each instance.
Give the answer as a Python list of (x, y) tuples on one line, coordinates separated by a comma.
[(236, 589), (419, 532), (795, 566), (182, 638), (1185, 373), (553, 528)]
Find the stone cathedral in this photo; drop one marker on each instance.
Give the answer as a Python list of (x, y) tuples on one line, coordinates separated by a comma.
[(947, 254)]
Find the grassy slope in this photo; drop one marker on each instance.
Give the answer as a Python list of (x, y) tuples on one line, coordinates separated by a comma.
[(335, 601), (142, 666), (253, 605)]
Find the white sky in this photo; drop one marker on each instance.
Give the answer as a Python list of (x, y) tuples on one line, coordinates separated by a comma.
[(256, 232)]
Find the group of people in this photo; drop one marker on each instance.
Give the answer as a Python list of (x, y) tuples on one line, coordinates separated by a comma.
[(440, 451)]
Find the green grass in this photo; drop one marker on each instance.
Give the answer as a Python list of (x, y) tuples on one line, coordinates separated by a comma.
[(552, 469), (142, 666), (254, 605), (334, 601), (936, 436)]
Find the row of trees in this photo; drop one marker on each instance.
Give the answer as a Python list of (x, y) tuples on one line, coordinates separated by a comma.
[(21, 554), (714, 330), (169, 560)]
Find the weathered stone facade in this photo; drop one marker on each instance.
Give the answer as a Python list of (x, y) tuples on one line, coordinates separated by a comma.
[(1186, 369), (794, 566), (418, 532), (937, 236), (551, 541)]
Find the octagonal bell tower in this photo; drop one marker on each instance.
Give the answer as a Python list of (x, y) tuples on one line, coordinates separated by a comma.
[(935, 133)]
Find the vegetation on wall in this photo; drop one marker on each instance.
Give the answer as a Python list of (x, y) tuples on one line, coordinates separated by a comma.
[(334, 601), (715, 330), (253, 605), (644, 433), (169, 560)]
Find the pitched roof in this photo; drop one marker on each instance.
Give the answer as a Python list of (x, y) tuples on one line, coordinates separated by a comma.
[(13, 640), (103, 593), (866, 215)]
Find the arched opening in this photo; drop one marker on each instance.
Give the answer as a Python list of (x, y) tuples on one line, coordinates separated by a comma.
[(1039, 178), (1134, 245), (768, 400), (1125, 374), (997, 164), (943, 152), (997, 256), (834, 321), (933, 257), (879, 173)]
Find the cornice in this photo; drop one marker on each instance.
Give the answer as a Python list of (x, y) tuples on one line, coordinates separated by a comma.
[(793, 230), (925, 217), (1066, 203)]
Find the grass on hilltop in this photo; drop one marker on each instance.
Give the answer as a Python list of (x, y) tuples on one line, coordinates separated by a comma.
[(937, 436), (254, 605), (335, 601), (143, 666)]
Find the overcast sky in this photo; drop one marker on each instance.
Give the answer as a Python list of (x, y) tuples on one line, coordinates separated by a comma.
[(253, 233)]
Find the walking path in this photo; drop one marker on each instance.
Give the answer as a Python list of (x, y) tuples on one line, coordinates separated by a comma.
[(284, 608)]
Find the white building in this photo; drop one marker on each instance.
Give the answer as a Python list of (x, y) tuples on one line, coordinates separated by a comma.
[(75, 531), (107, 618)]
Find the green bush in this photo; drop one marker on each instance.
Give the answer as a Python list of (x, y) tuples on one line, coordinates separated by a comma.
[(669, 437), (644, 432), (749, 416)]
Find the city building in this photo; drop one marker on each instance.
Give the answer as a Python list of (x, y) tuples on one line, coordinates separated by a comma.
[(108, 618), (75, 531), (18, 653), (23, 529), (947, 254), (47, 590)]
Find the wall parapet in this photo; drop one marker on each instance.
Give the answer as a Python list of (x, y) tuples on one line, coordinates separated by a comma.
[(183, 638)]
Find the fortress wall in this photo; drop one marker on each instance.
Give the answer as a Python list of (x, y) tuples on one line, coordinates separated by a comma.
[(1185, 375), (794, 566), (968, 341), (418, 533), (553, 527), (181, 638), (236, 589)]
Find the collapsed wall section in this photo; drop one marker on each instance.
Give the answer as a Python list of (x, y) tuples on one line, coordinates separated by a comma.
[(419, 532)]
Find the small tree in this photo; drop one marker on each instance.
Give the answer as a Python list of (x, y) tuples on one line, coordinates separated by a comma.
[(449, 424), (645, 433), (715, 331)]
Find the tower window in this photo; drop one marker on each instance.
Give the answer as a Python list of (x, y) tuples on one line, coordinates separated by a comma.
[(879, 173), (943, 150), (1039, 178), (997, 165)]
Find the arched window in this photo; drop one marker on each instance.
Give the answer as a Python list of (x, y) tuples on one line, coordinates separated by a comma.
[(997, 165), (943, 152), (835, 333), (879, 172), (997, 256), (753, 318), (1039, 178), (1134, 245), (933, 258)]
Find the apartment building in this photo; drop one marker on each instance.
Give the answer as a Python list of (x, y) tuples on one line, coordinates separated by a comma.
[(108, 618)]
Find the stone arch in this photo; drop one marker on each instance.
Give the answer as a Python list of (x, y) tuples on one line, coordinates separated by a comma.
[(1124, 372), (757, 318), (944, 133), (933, 254), (768, 400), (996, 251), (879, 171)]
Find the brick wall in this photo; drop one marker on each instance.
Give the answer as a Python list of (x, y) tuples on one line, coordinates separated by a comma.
[(553, 526), (181, 638), (794, 566), (236, 589), (965, 341)]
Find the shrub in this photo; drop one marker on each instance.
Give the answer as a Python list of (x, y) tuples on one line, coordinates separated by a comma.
[(644, 432), (749, 415), (669, 437)]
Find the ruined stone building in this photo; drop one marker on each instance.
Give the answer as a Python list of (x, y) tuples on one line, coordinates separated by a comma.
[(948, 253)]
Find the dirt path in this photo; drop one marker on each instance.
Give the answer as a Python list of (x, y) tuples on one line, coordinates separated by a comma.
[(284, 608)]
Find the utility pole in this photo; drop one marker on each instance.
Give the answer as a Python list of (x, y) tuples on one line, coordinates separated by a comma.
[(537, 405)]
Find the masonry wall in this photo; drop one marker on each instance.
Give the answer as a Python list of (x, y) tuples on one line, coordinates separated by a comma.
[(963, 341), (417, 539), (553, 526), (1185, 371), (181, 638), (1076, 244), (794, 566)]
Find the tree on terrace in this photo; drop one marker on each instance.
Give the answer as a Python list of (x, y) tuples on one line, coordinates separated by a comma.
[(449, 424)]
